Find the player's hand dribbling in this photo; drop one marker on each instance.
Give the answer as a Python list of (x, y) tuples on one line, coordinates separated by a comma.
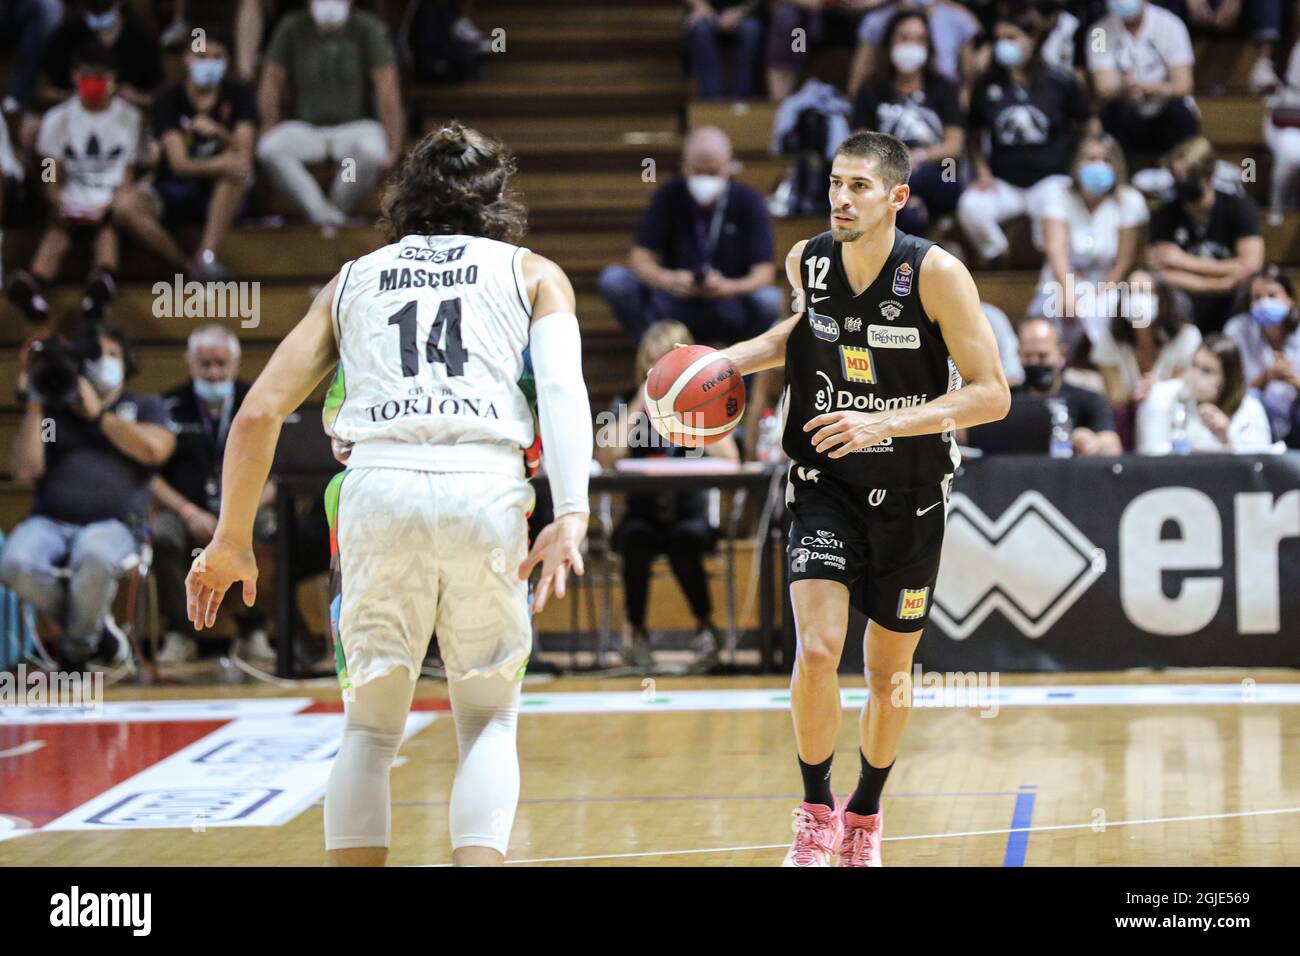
[(558, 548), (214, 570), (851, 431)]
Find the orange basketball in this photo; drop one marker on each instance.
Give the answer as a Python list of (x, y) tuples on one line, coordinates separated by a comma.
[(694, 396)]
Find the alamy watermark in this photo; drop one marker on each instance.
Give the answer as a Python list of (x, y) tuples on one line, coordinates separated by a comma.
[(977, 689), (208, 300), (42, 689)]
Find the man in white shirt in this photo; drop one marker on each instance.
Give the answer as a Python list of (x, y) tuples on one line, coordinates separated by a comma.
[(89, 146), (1140, 61)]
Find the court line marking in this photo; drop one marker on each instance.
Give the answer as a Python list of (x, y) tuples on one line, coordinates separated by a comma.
[(27, 747), (920, 836), (1021, 815)]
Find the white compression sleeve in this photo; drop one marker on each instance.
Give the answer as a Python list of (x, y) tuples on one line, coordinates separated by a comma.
[(485, 793), (564, 409)]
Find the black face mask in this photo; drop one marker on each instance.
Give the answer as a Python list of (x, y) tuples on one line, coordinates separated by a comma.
[(1040, 378), (1189, 190)]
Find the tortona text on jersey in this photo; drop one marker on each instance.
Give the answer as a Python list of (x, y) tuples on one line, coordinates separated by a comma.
[(432, 405)]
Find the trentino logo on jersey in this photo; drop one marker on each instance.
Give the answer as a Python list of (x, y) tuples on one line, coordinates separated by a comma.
[(903, 279), (823, 326), (912, 603), (426, 254), (885, 337), (857, 365)]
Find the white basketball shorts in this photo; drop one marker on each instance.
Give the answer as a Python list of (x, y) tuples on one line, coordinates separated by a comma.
[(416, 553)]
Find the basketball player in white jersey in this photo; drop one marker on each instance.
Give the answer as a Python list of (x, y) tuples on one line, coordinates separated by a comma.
[(428, 522), (889, 354)]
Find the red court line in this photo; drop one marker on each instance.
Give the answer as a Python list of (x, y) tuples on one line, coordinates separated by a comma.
[(81, 760), (336, 706)]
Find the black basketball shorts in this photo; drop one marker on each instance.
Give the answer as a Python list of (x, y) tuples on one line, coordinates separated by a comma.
[(882, 544)]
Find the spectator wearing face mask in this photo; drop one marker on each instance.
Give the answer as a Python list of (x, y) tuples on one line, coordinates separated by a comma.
[(1209, 409), (907, 98), (1031, 114), (1206, 238), (92, 454), (952, 28), (129, 49), (702, 253), (1141, 70), (1267, 336), (207, 124), (94, 143), (338, 68), (187, 490), (1091, 422), (712, 25), (1091, 226)]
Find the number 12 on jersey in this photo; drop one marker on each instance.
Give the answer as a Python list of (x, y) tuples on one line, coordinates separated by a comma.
[(451, 352)]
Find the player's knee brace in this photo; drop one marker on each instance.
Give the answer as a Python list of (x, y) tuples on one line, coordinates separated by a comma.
[(358, 806), (486, 790)]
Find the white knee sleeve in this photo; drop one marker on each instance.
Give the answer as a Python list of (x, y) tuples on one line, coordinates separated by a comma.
[(486, 791), (358, 806)]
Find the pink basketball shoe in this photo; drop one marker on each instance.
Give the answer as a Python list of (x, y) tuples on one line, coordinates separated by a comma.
[(818, 833), (863, 835)]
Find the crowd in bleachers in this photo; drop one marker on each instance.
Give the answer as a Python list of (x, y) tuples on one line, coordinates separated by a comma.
[(98, 148), (1079, 115)]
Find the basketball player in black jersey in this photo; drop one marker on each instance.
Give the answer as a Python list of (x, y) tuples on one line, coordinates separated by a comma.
[(888, 353)]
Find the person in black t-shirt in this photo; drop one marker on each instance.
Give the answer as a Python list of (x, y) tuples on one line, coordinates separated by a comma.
[(208, 125), (672, 523), (1092, 422), (133, 51), (92, 456), (907, 98), (1205, 239), (702, 252), (1030, 112)]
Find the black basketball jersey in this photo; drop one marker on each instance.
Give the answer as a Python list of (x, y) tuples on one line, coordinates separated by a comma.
[(870, 352)]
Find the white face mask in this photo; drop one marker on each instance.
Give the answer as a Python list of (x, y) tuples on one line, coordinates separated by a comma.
[(329, 13), (105, 373), (908, 57), (705, 190)]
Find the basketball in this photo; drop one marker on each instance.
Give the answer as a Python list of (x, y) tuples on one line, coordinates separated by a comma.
[(694, 396)]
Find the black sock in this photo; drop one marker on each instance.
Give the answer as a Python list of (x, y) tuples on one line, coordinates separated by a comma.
[(817, 782), (871, 782)]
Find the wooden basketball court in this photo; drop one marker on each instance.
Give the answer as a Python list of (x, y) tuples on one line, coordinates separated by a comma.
[(1192, 768)]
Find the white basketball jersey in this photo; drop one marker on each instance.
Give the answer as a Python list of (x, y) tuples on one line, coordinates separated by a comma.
[(431, 333)]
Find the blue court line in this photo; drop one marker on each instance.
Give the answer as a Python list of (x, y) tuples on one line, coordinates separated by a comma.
[(759, 796), (1021, 817)]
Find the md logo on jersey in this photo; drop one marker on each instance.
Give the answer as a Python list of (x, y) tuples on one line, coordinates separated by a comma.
[(903, 279), (823, 326), (1031, 564), (856, 364)]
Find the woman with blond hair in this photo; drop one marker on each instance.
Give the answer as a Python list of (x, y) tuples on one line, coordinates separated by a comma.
[(1090, 236), (672, 523)]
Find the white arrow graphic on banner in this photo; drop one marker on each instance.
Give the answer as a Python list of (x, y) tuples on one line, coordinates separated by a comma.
[(1031, 564)]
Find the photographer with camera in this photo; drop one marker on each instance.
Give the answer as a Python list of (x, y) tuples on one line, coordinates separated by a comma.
[(92, 448), (702, 254)]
